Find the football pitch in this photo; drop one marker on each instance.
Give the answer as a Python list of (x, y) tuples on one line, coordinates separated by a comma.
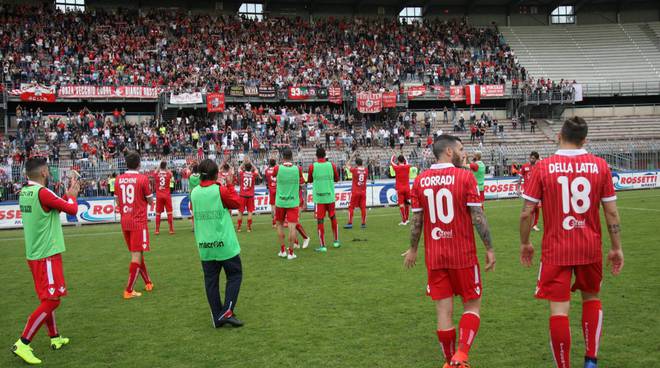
[(352, 307)]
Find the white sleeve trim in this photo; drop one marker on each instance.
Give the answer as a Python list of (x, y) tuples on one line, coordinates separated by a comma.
[(531, 199), (479, 204), (417, 209), (608, 199)]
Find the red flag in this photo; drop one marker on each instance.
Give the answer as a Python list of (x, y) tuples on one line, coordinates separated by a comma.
[(472, 94), (335, 95), (369, 103), (389, 99), (215, 102)]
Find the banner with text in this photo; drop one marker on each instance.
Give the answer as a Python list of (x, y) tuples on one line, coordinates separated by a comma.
[(369, 103), (186, 98), (389, 100), (108, 92), (335, 95), (215, 102)]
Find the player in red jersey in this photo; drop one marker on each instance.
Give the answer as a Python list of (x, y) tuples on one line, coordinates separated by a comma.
[(163, 178), (358, 192), (299, 228), (226, 175), (525, 175), (271, 184), (572, 184), (446, 204), (247, 175), (132, 197), (402, 185)]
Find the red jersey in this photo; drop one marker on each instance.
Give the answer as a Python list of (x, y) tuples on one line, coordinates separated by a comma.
[(360, 176), (271, 179), (163, 180), (526, 173), (444, 194), (402, 177), (225, 179), (132, 190), (572, 184), (246, 182)]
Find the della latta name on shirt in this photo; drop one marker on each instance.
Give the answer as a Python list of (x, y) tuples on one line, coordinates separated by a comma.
[(573, 167), (430, 181)]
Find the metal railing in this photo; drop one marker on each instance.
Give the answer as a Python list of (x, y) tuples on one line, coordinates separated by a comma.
[(633, 88)]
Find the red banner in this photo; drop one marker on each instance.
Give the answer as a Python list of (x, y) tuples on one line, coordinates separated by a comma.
[(456, 93), (369, 103), (441, 90), (108, 92), (492, 90), (389, 99), (415, 91), (215, 102), (34, 92), (335, 95)]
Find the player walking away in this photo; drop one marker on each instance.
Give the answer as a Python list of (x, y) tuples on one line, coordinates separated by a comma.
[(299, 228), (287, 202), (446, 204), (572, 184), (246, 177), (525, 175), (163, 179), (133, 196), (44, 245), (402, 186), (193, 181), (217, 243), (358, 191), (271, 184), (323, 175), (478, 168)]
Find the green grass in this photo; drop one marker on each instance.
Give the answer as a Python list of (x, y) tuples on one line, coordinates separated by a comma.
[(352, 307)]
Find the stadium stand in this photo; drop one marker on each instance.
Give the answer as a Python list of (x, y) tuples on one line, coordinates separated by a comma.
[(592, 54)]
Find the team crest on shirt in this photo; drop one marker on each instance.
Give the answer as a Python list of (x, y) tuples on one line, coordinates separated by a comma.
[(61, 289), (571, 223), (51, 291)]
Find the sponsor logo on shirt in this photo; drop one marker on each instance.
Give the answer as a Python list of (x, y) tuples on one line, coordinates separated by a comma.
[(437, 234), (571, 223)]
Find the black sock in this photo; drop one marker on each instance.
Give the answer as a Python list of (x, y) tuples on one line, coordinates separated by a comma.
[(592, 360), (25, 341), (55, 336)]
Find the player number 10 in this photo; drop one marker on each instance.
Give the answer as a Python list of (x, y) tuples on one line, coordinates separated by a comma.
[(436, 205), (575, 194)]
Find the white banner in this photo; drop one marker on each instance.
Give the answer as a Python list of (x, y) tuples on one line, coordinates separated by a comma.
[(379, 193), (186, 98), (578, 92)]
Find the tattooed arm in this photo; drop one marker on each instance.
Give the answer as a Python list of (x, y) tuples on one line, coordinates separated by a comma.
[(481, 224), (615, 256), (415, 235)]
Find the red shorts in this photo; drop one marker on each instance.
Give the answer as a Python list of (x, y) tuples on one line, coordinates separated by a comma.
[(482, 196), (48, 276), (403, 197), (290, 215), (137, 240), (247, 204), (358, 200), (164, 202), (447, 282), (554, 282), (322, 208), (271, 199)]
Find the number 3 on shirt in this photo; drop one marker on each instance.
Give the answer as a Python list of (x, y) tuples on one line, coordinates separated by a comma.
[(437, 210), (127, 193), (575, 194)]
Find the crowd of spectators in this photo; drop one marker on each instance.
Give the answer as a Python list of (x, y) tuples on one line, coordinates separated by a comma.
[(187, 52)]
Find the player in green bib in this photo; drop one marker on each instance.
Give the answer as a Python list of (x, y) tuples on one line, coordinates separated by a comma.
[(44, 245), (323, 175), (287, 201), (217, 243), (193, 181), (478, 168)]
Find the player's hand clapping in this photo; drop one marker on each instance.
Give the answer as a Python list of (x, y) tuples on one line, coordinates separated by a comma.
[(74, 188)]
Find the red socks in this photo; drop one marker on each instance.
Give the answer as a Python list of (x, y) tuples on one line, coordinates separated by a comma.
[(240, 222), (560, 340), (144, 273), (249, 224), (282, 248), (301, 231), (335, 228), (51, 325), (350, 215), (133, 271), (158, 222), (447, 340), (290, 250), (363, 213), (592, 323), (402, 209), (467, 327), (321, 230), (407, 212), (38, 317), (170, 221)]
